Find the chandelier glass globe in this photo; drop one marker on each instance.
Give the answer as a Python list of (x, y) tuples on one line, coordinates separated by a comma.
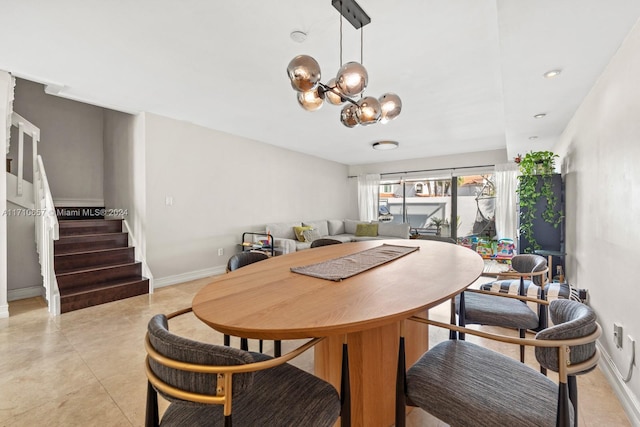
[(352, 78), (368, 111), (391, 106), (311, 100), (348, 116), (304, 73)]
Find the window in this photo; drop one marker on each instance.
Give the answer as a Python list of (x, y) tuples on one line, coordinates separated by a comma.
[(429, 208)]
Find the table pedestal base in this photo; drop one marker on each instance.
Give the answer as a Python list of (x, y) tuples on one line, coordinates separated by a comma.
[(373, 358)]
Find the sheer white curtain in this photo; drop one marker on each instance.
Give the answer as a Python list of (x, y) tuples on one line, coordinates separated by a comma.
[(368, 191), (506, 179)]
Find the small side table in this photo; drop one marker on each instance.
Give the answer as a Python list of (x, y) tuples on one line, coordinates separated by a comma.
[(256, 246)]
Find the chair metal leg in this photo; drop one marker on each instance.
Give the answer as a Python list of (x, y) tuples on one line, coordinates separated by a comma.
[(401, 387), (260, 346), (462, 321), (452, 319), (345, 388), (277, 348), (573, 396), (522, 335), (244, 344), (227, 421), (152, 415), (227, 340), (562, 418)]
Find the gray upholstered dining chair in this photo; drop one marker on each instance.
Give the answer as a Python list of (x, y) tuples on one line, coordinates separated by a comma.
[(465, 384), (527, 279), (324, 242), (239, 260), (206, 383)]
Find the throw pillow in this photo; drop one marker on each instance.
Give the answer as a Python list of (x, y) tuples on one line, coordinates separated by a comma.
[(311, 235), (368, 230), (298, 231)]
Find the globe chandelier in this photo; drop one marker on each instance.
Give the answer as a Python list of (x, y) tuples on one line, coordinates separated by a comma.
[(349, 83)]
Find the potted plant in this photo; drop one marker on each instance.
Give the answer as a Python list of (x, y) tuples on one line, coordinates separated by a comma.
[(537, 168), (437, 222)]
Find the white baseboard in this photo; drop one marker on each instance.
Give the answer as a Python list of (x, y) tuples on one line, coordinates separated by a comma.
[(626, 397), (24, 293), (78, 203), (4, 311), (186, 277)]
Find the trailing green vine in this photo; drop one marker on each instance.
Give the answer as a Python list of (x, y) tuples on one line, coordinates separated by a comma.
[(533, 165)]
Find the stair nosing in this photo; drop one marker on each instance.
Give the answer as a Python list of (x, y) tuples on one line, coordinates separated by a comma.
[(103, 267)]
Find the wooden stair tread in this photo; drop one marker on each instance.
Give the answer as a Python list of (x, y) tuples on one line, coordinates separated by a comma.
[(96, 269), (93, 251), (87, 289), (89, 236)]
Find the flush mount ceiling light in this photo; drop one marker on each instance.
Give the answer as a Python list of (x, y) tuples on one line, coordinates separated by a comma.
[(540, 116), (385, 145), (351, 80), (552, 73), (298, 36)]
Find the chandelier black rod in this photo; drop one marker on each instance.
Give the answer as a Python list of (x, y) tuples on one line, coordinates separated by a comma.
[(327, 88)]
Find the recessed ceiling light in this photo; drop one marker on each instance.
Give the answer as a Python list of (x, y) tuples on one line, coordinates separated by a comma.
[(298, 36), (552, 73), (540, 116), (385, 145)]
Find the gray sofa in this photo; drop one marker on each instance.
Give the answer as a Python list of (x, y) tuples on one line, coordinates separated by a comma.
[(285, 239)]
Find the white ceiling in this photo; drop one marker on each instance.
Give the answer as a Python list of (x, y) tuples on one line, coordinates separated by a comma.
[(469, 72)]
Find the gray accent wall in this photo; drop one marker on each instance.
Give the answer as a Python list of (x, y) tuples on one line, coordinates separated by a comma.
[(70, 142)]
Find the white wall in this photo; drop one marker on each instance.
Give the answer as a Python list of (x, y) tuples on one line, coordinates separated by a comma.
[(124, 173), (70, 142), (480, 158), (600, 150), (6, 97), (222, 185)]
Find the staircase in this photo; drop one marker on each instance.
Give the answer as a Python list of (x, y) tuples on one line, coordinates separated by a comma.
[(94, 264)]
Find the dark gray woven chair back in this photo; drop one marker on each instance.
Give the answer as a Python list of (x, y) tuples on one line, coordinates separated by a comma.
[(324, 242), (186, 350), (245, 258), (529, 263), (572, 319)]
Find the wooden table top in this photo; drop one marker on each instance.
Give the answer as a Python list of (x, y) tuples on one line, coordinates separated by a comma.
[(266, 300)]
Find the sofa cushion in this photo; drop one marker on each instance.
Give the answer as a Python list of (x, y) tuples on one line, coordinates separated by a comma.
[(369, 230), (320, 225), (344, 238), (311, 235), (298, 230), (350, 225), (284, 230), (393, 230), (336, 226)]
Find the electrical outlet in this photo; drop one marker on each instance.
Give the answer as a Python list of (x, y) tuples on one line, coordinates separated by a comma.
[(220, 251), (617, 334)]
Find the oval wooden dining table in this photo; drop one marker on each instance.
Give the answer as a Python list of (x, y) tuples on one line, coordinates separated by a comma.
[(266, 300)]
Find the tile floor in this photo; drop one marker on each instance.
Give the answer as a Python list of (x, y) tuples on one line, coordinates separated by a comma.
[(85, 368)]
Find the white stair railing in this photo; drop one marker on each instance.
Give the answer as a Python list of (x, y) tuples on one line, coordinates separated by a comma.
[(46, 221), (46, 232)]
